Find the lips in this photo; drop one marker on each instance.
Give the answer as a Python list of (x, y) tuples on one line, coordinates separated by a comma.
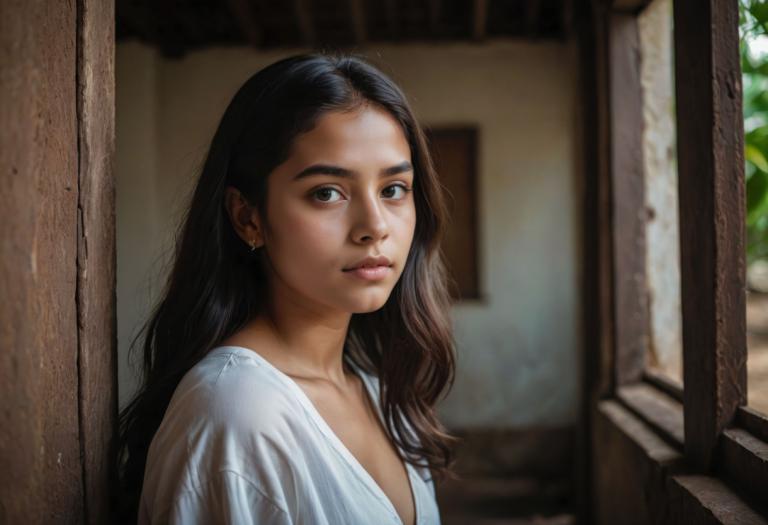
[(370, 262)]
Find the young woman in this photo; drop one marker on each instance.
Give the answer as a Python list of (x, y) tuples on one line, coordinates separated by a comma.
[(294, 362)]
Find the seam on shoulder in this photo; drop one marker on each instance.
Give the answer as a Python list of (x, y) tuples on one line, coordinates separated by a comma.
[(223, 368)]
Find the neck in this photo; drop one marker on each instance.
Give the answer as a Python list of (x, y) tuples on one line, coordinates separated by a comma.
[(309, 337)]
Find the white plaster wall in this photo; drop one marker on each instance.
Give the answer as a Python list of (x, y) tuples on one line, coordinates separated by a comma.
[(660, 165), (138, 221), (518, 351)]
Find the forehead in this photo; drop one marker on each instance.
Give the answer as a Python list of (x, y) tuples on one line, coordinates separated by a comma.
[(366, 134)]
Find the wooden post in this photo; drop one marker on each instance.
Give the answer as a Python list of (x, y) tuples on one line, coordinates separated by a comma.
[(41, 479), (57, 318), (96, 301), (595, 278), (712, 223)]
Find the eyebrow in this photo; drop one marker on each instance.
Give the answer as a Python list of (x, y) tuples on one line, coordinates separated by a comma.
[(336, 171)]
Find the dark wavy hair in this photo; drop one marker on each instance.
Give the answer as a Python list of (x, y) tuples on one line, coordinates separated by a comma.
[(216, 285)]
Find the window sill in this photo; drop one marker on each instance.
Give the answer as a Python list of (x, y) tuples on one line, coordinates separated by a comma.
[(742, 459), (661, 412), (671, 493)]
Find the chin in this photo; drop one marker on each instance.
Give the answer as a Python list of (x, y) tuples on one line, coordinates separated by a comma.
[(368, 310), (369, 304)]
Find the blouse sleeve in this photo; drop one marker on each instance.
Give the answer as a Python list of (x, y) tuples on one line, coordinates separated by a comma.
[(227, 498)]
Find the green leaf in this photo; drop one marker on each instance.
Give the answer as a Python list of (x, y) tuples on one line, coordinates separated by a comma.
[(757, 197), (756, 157)]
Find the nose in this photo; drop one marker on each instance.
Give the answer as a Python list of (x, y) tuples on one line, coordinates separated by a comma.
[(370, 224)]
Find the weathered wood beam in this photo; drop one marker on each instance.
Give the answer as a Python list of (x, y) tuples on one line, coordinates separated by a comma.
[(435, 8), (532, 12), (304, 20), (710, 131), (391, 13), (603, 365), (597, 311), (629, 6), (246, 20), (479, 19), (357, 15), (96, 264), (566, 19), (620, 6), (42, 469)]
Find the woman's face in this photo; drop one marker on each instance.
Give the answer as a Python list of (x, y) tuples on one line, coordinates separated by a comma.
[(341, 196)]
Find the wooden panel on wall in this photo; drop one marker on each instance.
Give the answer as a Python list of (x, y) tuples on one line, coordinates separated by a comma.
[(96, 302), (455, 154), (41, 479)]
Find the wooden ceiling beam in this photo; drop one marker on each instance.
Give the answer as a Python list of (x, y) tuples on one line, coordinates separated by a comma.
[(629, 6), (304, 21), (245, 17), (357, 16), (566, 19), (479, 19), (391, 10), (532, 15), (435, 8)]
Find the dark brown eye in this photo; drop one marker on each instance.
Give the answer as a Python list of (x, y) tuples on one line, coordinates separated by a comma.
[(395, 187), (325, 194)]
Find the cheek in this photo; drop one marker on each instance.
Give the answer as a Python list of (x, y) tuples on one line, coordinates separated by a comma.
[(304, 239), (407, 224)]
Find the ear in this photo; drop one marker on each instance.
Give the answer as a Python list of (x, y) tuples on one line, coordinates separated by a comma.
[(244, 217)]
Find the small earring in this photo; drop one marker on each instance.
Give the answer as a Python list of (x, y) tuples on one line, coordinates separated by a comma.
[(253, 245)]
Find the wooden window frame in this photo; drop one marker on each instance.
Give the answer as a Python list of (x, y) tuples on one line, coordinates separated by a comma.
[(712, 208), (707, 421), (471, 133)]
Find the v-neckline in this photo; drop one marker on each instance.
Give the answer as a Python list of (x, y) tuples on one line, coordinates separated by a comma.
[(337, 443)]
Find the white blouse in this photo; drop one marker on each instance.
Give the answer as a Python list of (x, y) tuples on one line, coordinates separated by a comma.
[(241, 442)]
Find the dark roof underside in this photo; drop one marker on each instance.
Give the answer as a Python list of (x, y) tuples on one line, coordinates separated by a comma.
[(178, 26)]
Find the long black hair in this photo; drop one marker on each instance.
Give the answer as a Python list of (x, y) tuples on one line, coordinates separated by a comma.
[(216, 285)]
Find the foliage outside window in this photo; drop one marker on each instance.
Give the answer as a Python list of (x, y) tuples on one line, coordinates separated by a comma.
[(754, 64)]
